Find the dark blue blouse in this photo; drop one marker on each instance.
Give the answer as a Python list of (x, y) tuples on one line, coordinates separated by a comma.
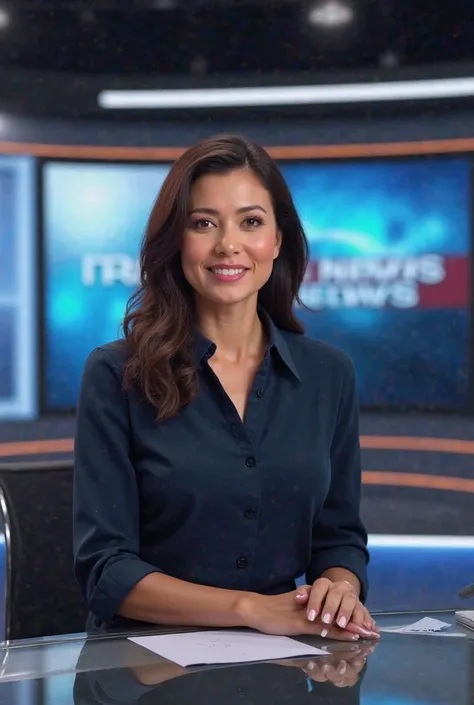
[(206, 498)]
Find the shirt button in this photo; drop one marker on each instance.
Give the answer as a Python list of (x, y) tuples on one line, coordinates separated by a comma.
[(250, 513), (260, 393), (250, 462), (242, 562)]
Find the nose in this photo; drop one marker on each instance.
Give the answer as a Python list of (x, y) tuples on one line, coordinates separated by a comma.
[(229, 242)]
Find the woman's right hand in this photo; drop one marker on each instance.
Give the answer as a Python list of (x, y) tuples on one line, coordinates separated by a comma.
[(282, 615)]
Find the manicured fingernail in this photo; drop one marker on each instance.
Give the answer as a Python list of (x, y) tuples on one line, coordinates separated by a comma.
[(327, 618), (355, 637), (299, 596), (324, 633), (376, 635), (342, 622), (365, 632), (312, 615)]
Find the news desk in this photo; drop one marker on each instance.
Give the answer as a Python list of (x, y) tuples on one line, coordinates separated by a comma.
[(402, 669)]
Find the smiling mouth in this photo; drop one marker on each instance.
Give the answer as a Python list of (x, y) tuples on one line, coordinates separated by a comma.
[(228, 273)]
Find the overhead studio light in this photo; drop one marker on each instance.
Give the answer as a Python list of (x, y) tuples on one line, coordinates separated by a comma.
[(262, 96), (4, 18), (331, 13)]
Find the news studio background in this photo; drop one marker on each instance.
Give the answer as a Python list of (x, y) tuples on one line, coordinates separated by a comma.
[(389, 243), (372, 125)]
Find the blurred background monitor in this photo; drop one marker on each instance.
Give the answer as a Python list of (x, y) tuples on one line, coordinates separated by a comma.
[(390, 244)]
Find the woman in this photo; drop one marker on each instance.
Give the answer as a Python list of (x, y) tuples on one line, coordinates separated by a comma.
[(217, 456)]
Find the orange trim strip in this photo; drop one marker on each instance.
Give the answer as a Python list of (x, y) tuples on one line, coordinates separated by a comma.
[(417, 443), (59, 445), (369, 477), (429, 482), (410, 443), (332, 151)]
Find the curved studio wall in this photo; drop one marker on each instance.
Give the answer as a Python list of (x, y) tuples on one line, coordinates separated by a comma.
[(81, 189), (388, 217)]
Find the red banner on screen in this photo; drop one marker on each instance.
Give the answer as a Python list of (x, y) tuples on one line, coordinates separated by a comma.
[(426, 281)]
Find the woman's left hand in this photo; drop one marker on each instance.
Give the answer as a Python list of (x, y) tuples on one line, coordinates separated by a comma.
[(337, 603), (341, 668)]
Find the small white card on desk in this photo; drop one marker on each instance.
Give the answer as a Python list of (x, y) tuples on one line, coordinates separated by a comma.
[(427, 625), (465, 618), (216, 647)]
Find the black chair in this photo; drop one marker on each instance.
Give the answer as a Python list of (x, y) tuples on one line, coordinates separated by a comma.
[(42, 597)]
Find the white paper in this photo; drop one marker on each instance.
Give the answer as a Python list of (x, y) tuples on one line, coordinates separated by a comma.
[(427, 625), (465, 618), (214, 647)]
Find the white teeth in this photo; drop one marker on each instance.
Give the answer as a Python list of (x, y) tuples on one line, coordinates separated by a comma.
[(227, 272)]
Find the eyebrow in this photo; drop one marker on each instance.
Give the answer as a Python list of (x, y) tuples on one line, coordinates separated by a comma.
[(245, 209)]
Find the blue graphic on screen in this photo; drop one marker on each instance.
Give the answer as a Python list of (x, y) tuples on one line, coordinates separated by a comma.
[(7, 353), (94, 219), (407, 355), (404, 220), (17, 288), (8, 245)]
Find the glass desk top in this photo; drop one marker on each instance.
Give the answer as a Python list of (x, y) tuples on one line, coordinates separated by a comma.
[(402, 669)]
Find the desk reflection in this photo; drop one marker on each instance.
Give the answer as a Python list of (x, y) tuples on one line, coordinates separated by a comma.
[(334, 680)]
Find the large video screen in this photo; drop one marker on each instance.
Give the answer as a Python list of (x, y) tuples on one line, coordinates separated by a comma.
[(387, 283), (389, 278), (17, 289)]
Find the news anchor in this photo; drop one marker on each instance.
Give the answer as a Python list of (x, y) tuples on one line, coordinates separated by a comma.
[(217, 448)]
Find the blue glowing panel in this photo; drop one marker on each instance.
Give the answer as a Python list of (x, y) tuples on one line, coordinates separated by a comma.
[(17, 288)]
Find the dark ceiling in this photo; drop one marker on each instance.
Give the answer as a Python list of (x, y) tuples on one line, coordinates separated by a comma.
[(199, 37), (57, 56)]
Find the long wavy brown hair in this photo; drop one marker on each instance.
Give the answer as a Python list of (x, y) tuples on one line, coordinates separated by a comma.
[(158, 323)]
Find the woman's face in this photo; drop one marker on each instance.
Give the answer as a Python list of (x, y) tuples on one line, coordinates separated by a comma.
[(231, 238)]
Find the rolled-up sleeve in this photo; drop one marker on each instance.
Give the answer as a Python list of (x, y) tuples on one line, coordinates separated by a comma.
[(339, 536), (106, 518)]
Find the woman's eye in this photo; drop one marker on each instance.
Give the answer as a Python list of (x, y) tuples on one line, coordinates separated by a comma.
[(202, 224), (253, 222)]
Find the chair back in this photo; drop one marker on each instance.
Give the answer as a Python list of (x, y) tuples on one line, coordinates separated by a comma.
[(42, 597)]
